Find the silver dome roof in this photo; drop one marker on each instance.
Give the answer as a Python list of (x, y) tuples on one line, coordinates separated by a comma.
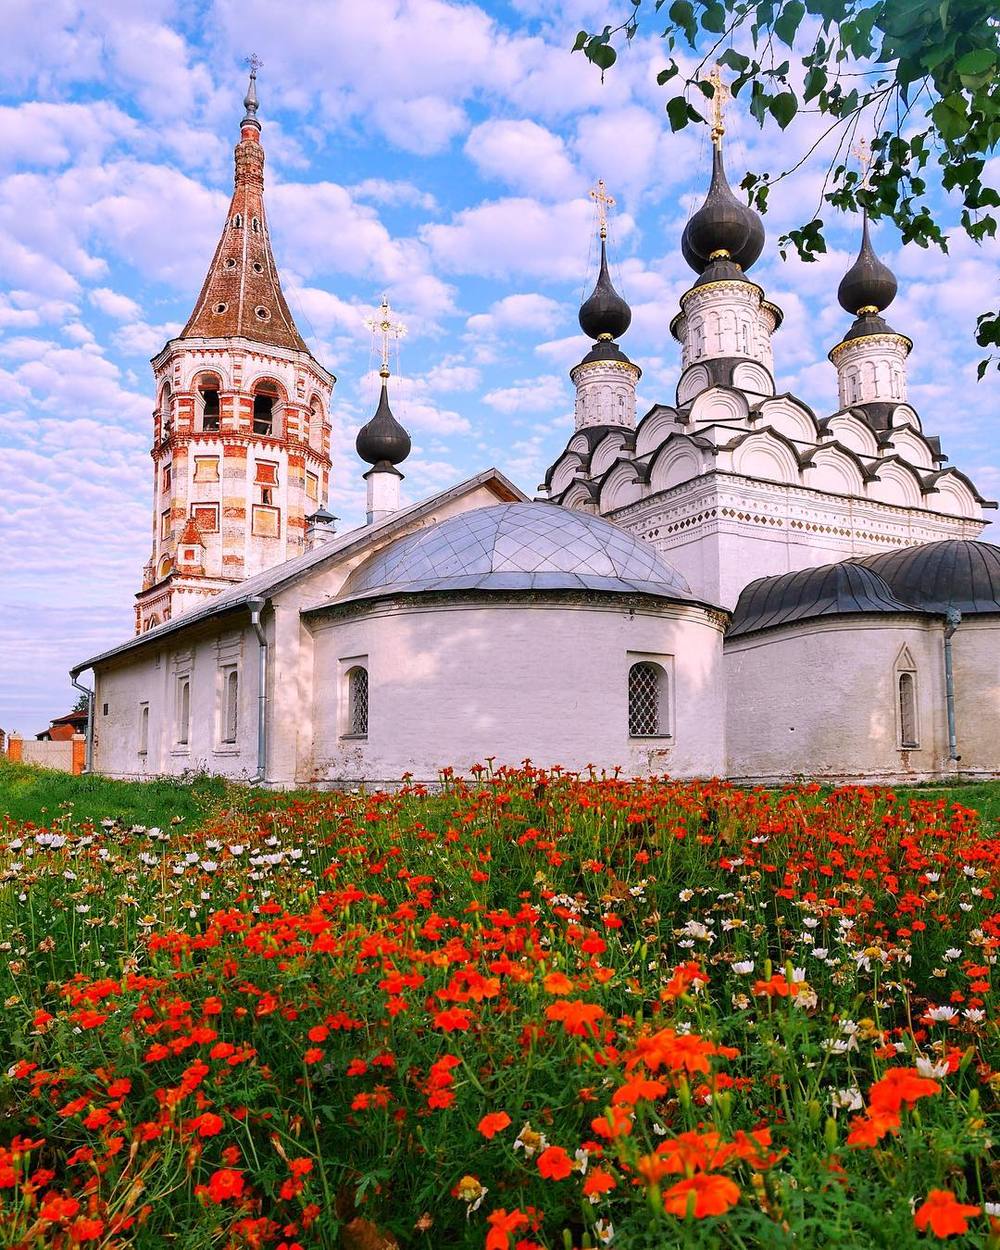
[(517, 546)]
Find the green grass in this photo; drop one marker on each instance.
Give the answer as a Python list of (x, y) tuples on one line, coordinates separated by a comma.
[(41, 795)]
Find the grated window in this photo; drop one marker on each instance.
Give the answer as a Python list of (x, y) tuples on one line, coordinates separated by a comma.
[(645, 691), (357, 702)]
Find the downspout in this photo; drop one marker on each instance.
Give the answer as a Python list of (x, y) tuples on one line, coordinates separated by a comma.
[(953, 618), (257, 605), (74, 674)]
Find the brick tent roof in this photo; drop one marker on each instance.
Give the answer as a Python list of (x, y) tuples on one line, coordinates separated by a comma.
[(242, 279)]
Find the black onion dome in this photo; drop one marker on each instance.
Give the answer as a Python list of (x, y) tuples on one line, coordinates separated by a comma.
[(604, 313), (383, 440), (868, 283), (722, 225)]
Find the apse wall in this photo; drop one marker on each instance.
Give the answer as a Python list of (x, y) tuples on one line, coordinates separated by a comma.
[(452, 683), (822, 699)]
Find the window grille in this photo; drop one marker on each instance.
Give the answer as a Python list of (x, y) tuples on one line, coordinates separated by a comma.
[(357, 702), (907, 711), (646, 715)]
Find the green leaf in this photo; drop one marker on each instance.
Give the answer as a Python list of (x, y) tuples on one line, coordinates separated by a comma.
[(581, 39), (602, 55), (677, 112), (977, 61), (735, 60), (950, 118), (788, 21), (814, 83), (714, 17), (665, 75), (783, 108)]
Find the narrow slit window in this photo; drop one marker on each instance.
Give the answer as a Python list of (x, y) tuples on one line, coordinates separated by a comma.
[(143, 728), (263, 414)]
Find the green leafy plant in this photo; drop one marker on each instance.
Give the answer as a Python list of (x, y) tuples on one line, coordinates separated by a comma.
[(921, 76)]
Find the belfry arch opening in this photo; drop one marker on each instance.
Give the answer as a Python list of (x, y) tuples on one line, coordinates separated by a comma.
[(266, 401), (207, 390)]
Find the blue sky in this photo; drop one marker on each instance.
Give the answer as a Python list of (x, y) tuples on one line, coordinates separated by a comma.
[(438, 151)]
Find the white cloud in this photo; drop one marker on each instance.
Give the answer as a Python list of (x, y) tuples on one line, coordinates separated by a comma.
[(541, 394), (517, 236), (525, 156), (114, 304)]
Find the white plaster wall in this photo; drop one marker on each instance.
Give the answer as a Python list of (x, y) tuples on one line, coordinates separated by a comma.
[(451, 685), (976, 661), (871, 368), (150, 673), (152, 676), (819, 700)]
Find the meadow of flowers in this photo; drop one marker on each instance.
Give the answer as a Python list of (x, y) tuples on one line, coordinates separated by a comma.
[(532, 1011)]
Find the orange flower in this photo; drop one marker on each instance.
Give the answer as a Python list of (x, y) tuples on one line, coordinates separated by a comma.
[(868, 1130), (557, 983), (639, 1087), (502, 1223), (555, 1164), (598, 1182), (943, 1214), (713, 1195), (900, 1087), (681, 1052), (493, 1123), (578, 1018)]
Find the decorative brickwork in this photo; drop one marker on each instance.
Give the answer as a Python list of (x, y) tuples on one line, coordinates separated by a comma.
[(242, 420)]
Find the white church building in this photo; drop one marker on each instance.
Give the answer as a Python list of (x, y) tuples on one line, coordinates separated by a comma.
[(730, 586)]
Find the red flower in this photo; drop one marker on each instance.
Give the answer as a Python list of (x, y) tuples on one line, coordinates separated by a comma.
[(452, 1020), (578, 1018), (502, 1224), (900, 1087), (555, 1164), (224, 1184), (943, 1214), (598, 1182), (493, 1123), (207, 1124)]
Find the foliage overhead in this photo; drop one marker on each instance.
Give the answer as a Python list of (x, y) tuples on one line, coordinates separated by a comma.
[(920, 76)]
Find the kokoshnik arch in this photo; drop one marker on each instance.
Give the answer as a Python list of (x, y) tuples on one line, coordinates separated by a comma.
[(732, 585)]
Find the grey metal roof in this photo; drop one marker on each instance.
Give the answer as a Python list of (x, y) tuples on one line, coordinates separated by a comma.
[(274, 579), (517, 546), (829, 590), (954, 573)]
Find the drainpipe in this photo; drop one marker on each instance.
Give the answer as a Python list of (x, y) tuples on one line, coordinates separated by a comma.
[(953, 618), (257, 605), (74, 674)]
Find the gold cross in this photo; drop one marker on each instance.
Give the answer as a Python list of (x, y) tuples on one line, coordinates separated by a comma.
[(382, 326), (603, 201), (253, 63), (863, 151), (719, 98)]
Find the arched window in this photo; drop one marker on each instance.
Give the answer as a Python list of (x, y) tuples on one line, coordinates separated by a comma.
[(166, 409), (207, 403), (265, 402), (907, 694), (230, 705), (357, 702), (143, 728), (315, 436), (647, 701)]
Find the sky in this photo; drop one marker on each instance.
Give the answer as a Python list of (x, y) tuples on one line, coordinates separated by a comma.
[(436, 151)]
